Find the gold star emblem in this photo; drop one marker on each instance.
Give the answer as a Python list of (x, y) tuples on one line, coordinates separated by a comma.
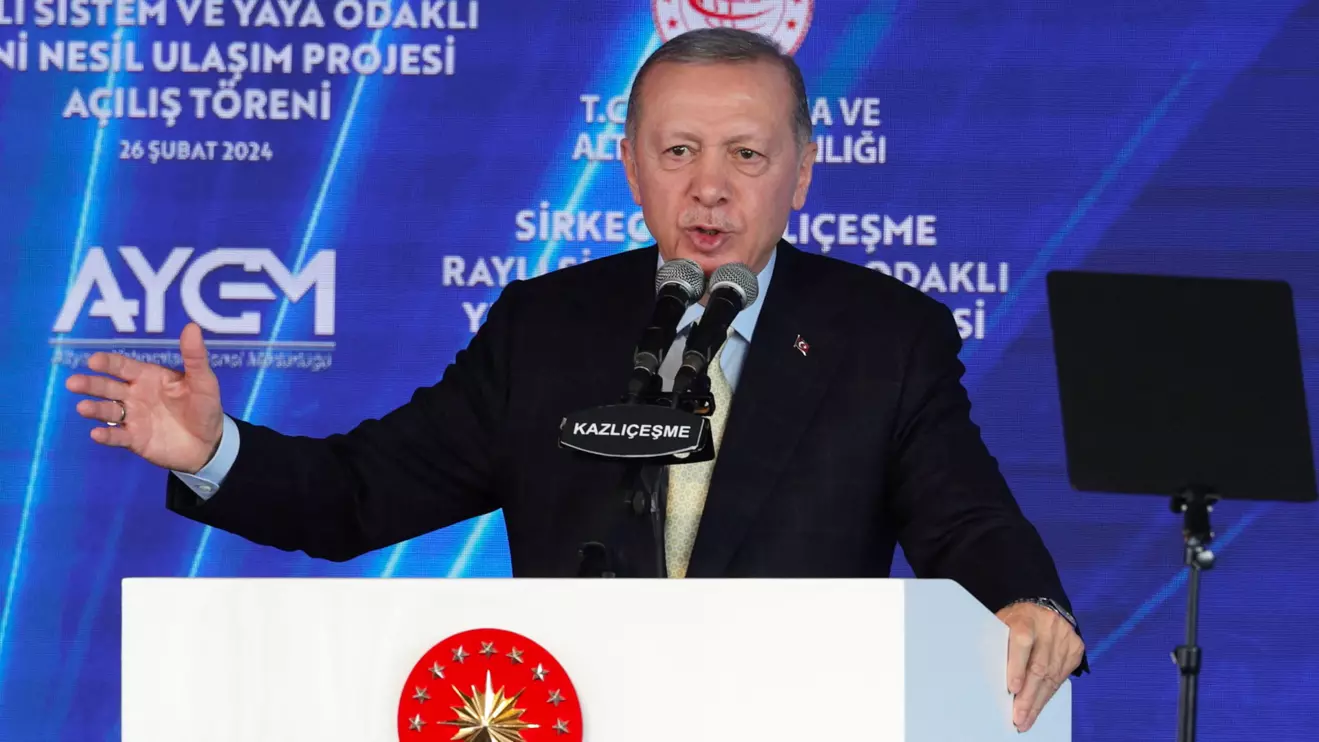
[(489, 716), (437, 670), (515, 655), (415, 723), (540, 672), (488, 649), (421, 695)]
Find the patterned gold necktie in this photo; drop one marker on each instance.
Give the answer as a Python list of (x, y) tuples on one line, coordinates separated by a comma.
[(689, 483)]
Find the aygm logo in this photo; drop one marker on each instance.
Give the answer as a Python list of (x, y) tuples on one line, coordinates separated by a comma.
[(785, 21), (98, 283)]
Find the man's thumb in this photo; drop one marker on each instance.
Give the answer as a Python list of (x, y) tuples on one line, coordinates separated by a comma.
[(193, 350)]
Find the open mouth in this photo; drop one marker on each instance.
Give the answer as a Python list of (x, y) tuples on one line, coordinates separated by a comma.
[(707, 238)]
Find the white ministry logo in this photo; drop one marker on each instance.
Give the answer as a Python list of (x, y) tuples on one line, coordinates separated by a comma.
[(785, 21)]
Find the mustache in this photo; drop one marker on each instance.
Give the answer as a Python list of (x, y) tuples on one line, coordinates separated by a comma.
[(711, 221)]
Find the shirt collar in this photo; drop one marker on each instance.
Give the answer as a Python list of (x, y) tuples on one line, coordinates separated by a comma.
[(744, 323)]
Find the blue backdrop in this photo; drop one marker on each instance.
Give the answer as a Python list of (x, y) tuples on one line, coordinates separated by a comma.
[(969, 148)]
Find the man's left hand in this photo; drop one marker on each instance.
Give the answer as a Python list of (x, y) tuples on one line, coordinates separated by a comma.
[(1043, 650)]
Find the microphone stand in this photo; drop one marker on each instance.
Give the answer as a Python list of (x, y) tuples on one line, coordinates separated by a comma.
[(594, 559), (731, 288), (641, 490), (639, 497), (651, 498)]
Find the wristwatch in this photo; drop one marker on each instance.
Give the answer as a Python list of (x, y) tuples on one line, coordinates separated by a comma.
[(1053, 606)]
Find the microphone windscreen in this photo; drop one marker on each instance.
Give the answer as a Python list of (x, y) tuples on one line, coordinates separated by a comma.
[(738, 277), (684, 273)]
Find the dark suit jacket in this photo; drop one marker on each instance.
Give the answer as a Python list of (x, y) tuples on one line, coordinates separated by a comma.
[(828, 459)]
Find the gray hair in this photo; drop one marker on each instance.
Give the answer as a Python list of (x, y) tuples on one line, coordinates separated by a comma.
[(718, 45)]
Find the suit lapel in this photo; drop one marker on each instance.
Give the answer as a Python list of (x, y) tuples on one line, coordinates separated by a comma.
[(607, 322), (778, 393)]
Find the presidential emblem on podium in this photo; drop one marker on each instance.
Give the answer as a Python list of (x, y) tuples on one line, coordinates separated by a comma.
[(488, 685)]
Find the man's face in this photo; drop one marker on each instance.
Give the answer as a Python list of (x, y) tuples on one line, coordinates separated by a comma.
[(715, 164)]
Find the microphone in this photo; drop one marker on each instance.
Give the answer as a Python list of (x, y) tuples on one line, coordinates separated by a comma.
[(733, 287), (677, 284)]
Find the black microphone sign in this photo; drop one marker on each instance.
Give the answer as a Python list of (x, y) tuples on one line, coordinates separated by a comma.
[(629, 431)]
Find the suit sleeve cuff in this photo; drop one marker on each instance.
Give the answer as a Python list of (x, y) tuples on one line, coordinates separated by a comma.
[(207, 481)]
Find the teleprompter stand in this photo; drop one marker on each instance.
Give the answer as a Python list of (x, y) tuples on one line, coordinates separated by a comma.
[(1189, 388), (1194, 504)]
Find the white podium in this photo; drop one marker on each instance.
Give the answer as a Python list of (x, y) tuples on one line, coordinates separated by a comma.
[(325, 660)]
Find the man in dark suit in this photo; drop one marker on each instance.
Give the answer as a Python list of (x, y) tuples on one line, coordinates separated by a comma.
[(842, 424)]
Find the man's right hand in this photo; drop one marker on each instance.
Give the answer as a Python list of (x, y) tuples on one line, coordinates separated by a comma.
[(174, 420)]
